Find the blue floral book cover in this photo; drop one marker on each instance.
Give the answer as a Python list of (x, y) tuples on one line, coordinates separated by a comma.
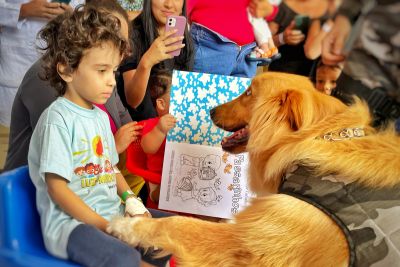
[(198, 176)]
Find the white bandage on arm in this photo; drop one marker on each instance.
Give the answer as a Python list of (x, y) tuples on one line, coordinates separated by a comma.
[(134, 206)]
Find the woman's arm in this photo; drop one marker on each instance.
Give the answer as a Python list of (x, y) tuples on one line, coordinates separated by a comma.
[(135, 81), (70, 203), (316, 33)]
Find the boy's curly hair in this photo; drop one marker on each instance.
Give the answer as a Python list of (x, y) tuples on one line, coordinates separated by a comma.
[(67, 37)]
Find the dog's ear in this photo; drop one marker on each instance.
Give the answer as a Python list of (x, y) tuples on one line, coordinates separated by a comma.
[(292, 108)]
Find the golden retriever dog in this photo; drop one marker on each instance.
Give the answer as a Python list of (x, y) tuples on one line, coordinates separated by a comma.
[(327, 185)]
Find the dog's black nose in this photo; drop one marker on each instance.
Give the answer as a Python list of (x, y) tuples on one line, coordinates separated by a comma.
[(212, 112)]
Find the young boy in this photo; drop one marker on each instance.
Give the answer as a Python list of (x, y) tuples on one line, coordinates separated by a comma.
[(326, 76), (156, 129), (82, 51)]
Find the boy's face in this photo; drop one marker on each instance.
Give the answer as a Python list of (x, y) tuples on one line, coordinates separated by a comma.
[(326, 79), (94, 79)]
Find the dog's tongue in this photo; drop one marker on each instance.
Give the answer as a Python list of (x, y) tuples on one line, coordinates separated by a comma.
[(237, 138)]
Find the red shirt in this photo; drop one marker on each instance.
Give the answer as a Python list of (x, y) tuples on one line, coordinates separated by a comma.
[(154, 161), (226, 17)]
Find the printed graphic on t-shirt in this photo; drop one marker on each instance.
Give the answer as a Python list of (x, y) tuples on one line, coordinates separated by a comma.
[(99, 171)]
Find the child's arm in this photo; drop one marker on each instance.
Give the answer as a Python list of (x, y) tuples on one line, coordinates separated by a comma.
[(133, 204), (152, 141), (69, 202)]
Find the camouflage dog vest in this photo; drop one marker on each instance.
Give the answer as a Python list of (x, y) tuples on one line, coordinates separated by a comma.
[(369, 217)]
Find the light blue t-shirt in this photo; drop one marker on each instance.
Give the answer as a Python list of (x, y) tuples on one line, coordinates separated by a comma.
[(78, 145)]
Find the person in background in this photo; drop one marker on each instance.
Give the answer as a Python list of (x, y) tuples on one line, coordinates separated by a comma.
[(150, 52), (290, 38), (326, 76), (20, 21), (223, 36), (371, 64), (72, 155), (133, 8), (155, 130), (318, 31)]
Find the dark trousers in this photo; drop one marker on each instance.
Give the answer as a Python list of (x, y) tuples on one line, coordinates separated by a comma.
[(89, 246)]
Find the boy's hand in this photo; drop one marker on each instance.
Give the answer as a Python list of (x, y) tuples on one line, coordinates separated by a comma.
[(134, 207), (126, 135), (166, 123)]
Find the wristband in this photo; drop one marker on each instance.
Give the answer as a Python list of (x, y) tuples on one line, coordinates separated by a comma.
[(126, 194), (281, 38), (326, 27)]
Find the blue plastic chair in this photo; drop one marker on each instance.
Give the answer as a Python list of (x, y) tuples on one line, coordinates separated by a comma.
[(21, 242)]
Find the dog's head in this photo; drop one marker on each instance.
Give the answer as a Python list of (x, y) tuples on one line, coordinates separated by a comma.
[(274, 105)]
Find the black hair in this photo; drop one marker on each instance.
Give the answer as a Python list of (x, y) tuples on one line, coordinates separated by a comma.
[(144, 32), (159, 83)]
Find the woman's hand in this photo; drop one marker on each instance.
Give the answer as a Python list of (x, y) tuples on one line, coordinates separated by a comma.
[(126, 135), (291, 36), (41, 9), (333, 43), (160, 48)]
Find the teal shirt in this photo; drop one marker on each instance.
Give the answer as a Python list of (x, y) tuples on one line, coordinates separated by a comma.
[(78, 145)]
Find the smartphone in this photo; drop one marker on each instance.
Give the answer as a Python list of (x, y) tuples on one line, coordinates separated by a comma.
[(179, 23), (302, 23), (62, 1)]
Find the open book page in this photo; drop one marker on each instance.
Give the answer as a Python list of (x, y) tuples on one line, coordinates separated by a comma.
[(198, 176)]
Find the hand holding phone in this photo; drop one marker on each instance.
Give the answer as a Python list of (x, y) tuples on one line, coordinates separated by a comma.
[(302, 23), (62, 1), (178, 23)]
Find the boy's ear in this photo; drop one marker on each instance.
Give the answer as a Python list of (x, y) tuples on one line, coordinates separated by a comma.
[(160, 104), (64, 73)]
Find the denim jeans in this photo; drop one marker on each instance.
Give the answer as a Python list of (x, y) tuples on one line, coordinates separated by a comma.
[(218, 55), (91, 247)]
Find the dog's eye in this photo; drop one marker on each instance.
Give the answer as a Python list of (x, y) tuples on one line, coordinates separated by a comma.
[(248, 92)]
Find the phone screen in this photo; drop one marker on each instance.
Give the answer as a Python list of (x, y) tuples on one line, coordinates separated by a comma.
[(302, 22), (62, 1)]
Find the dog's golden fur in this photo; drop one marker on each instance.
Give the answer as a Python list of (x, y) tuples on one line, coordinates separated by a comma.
[(285, 115)]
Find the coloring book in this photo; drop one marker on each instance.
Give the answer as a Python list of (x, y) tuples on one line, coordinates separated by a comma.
[(198, 176)]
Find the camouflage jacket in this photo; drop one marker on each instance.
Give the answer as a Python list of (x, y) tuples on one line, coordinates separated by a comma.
[(370, 219), (374, 59)]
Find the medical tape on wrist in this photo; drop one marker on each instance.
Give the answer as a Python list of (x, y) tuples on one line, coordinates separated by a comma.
[(133, 206)]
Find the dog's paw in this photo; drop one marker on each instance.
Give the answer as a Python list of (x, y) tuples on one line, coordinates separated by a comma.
[(123, 229)]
